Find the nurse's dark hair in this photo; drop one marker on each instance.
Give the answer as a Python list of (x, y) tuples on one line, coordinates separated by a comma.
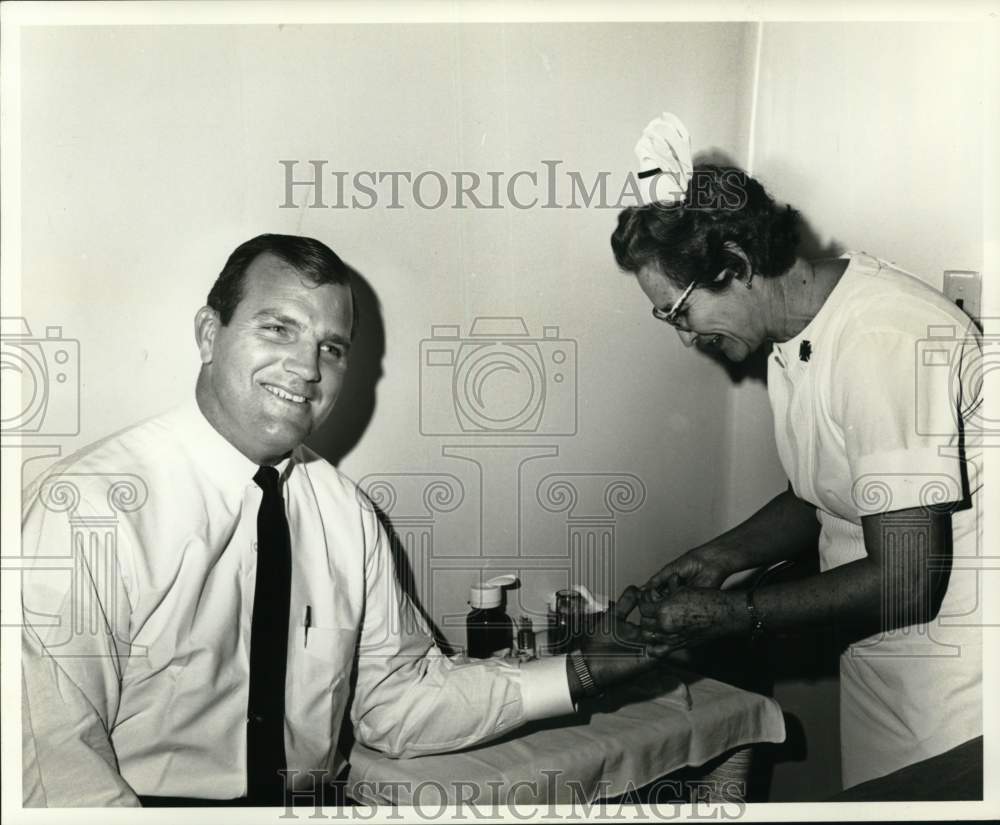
[(687, 241), (314, 260)]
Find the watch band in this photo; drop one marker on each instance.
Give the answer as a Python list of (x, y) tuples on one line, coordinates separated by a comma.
[(582, 671)]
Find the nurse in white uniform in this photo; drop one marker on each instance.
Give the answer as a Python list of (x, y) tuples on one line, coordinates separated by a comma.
[(875, 385)]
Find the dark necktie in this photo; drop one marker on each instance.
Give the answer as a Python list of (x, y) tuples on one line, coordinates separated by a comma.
[(269, 647)]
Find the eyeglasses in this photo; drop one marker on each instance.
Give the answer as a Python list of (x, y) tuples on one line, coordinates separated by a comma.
[(670, 315)]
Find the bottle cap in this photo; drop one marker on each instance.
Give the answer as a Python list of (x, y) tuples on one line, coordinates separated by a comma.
[(488, 594)]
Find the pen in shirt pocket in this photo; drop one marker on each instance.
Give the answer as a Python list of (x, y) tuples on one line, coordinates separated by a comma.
[(307, 623)]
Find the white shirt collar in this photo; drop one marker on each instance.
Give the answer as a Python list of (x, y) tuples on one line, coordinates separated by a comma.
[(220, 460)]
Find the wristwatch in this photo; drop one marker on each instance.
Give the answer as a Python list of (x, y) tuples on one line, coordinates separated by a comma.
[(579, 665)]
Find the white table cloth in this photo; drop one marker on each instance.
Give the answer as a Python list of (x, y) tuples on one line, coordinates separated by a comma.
[(665, 721)]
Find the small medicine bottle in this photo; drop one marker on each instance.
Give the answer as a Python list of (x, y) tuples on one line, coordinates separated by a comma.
[(526, 638), (488, 628)]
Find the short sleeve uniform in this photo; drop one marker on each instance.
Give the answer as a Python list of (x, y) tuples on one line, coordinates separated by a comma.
[(876, 409)]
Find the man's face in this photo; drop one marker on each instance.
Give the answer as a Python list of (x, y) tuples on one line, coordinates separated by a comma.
[(272, 374)]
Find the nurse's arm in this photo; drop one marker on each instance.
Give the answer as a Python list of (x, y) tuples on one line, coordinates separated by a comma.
[(913, 551), (900, 582)]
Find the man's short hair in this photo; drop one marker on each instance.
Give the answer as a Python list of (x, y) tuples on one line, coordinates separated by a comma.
[(312, 259)]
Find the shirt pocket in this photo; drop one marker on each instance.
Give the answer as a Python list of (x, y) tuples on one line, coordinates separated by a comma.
[(321, 668), (330, 647)]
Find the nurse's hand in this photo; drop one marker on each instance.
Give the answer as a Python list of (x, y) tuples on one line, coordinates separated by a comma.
[(684, 616), (613, 647), (700, 567)]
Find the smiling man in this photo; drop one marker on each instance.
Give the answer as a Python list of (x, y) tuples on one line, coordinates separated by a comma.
[(274, 341), (207, 648)]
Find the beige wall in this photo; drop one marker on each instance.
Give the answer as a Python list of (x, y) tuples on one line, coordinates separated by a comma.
[(151, 152), (875, 133)]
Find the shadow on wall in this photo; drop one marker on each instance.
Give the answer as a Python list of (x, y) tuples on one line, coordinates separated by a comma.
[(356, 405), (353, 413)]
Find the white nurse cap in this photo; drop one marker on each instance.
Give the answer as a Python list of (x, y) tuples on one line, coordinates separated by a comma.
[(664, 153)]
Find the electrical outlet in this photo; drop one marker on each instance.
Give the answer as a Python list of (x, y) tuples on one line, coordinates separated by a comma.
[(965, 288)]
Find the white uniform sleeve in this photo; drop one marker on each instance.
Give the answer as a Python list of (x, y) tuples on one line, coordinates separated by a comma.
[(411, 699), (900, 400), (76, 617)]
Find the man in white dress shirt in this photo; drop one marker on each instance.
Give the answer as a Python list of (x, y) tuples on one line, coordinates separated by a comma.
[(136, 667)]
